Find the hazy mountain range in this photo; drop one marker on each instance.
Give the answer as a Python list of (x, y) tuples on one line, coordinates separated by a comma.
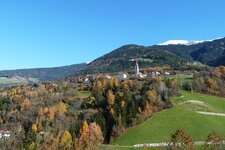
[(37, 74)]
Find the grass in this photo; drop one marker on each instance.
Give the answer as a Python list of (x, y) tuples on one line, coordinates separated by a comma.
[(200, 107), (83, 94), (117, 147), (214, 101), (160, 127)]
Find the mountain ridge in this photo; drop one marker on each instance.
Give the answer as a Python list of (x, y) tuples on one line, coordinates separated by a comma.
[(206, 52), (209, 52), (43, 74), (186, 42)]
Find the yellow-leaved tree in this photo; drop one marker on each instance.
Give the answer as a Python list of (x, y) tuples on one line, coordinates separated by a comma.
[(34, 127), (151, 95), (83, 141), (96, 136), (62, 108), (65, 141), (90, 137), (26, 104), (110, 98), (51, 113)]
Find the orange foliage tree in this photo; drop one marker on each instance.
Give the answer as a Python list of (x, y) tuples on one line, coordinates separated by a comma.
[(62, 108)]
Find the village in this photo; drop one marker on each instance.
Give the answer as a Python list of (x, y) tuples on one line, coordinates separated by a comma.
[(140, 73)]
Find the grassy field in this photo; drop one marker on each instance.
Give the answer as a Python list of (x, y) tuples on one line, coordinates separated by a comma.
[(160, 127), (214, 101), (83, 94)]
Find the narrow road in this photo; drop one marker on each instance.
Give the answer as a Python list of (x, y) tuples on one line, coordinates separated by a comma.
[(165, 144)]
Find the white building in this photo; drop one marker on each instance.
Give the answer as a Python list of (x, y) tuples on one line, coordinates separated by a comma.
[(167, 73), (121, 76), (4, 134), (107, 76)]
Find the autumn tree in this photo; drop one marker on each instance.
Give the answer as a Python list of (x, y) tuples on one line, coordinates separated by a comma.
[(97, 88), (96, 136), (26, 104), (181, 141), (83, 141), (90, 137), (125, 85), (113, 83), (51, 113), (213, 141), (12, 92), (211, 83), (45, 111), (110, 98), (16, 99), (65, 141), (151, 96), (118, 129), (41, 113), (217, 73), (34, 127), (62, 108)]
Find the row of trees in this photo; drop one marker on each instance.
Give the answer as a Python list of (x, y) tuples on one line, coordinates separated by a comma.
[(211, 81), (181, 141)]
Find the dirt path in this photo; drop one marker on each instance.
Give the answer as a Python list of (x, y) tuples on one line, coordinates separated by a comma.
[(191, 101), (202, 112), (211, 113)]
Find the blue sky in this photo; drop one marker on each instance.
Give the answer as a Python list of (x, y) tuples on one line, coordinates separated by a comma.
[(47, 33)]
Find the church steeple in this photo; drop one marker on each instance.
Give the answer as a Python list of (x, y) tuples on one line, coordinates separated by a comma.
[(137, 69)]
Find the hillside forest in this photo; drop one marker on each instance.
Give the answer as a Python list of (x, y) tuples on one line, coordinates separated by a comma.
[(74, 114)]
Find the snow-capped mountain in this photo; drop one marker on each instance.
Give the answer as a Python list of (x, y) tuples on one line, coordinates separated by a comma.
[(185, 42), (180, 42)]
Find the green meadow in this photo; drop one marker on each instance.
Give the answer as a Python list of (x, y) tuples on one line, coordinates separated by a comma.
[(161, 125)]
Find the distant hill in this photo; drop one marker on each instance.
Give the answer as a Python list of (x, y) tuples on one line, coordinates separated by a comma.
[(121, 59), (218, 62), (42, 74), (175, 53), (209, 52)]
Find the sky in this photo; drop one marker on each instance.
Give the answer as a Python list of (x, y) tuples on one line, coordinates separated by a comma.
[(49, 33)]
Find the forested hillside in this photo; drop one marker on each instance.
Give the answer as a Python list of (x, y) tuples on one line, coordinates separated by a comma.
[(209, 53), (122, 59)]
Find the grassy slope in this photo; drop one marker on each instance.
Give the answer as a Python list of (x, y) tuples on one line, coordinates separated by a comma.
[(216, 102), (160, 127), (83, 94)]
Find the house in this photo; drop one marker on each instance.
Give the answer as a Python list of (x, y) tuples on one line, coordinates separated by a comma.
[(167, 73), (155, 73), (4, 134), (86, 80), (121, 76), (107, 76)]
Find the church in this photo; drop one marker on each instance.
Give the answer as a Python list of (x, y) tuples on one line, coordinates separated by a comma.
[(137, 71)]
